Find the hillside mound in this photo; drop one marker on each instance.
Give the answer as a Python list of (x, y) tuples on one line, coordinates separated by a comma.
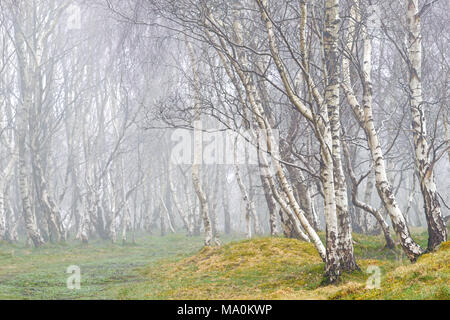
[(264, 268), (258, 254), (279, 268), (428, 278)]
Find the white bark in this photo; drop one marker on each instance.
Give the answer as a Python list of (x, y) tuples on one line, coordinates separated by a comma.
[(365, 117), (250, 210), (198, 155), (183, 213), (25, 85), (323, 133), (437, 231), (270, 143)]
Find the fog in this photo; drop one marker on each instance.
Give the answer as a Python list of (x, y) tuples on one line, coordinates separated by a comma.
[(217, 118)]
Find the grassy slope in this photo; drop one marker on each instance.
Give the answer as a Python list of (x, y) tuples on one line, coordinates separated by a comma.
[(428, 278), (278, 268), (173, 268)]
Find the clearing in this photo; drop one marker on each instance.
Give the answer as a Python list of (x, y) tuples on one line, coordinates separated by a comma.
[(177, 267)]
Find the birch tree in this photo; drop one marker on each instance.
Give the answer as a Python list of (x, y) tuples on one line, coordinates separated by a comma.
[(437, 231), (365, 118)]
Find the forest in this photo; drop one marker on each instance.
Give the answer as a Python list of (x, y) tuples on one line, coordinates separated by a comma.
[(224, 149)]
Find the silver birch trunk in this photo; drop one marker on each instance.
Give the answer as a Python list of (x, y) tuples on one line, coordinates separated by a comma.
[(249, 205), (437, 231), (270, 143), (345, 243), (183, 213), (367, 198), (365, 117), (271, 205), (447, 133), (198, 154), (25, 78), (4, 181), (226, 212), (289, 220), (166, 210), (323, 132), (52, 212), (262, 121), (365, 205)]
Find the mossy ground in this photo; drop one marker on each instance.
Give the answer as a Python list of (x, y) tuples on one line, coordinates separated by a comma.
[(177, 267)]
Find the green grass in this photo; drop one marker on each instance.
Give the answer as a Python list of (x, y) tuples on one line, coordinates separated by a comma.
[(428, 278), (28, 273), (177, 267)]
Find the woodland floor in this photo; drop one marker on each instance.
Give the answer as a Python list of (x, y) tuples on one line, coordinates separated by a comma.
[(176, 267)]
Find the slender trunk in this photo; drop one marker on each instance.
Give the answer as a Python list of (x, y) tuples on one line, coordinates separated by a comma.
[(214, 207), (365, 117), (28, 214), (11, 219), (289, 221), (126, 219), (364, 205), (198, 154), (368, 192), (83, 230), (26, 88), (345, 243), (226, 210), (323, 132), (166, 210), (447, 133), (162, 222), (299, 185), (183, 214), (2, 214), (412, 193), (51, 210), (271, 205), (249, 205), (270, 141), (437, 231), (251, 196), (4, 186)]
